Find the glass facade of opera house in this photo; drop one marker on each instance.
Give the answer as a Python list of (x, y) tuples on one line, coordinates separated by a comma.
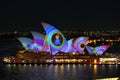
[(53, 47)]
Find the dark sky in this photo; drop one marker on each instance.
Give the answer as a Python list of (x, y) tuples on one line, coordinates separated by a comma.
[(26, 15)]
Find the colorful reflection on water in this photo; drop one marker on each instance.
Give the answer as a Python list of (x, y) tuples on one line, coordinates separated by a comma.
[(57, 72)]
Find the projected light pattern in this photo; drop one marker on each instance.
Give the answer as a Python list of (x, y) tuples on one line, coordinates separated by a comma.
[(97, 50), (46, 45), (80, 44), (101, 49), (90, 49), (64, 48), (39, 42), (69, 48), (26, 42), (37, 45), (54, 41), (37, 35), (55, 38)]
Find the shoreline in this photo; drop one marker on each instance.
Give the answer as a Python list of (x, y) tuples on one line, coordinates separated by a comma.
[(59, 63)]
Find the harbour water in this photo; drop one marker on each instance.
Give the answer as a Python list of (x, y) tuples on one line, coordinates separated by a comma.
[(58, 72)]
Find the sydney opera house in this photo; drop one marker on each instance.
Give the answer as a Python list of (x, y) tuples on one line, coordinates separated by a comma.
[(54, 42), (54, 47)]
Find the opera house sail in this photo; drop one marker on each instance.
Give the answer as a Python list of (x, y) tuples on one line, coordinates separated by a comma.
[(97, 50), (55, 38), (26, 42), (80, 44)]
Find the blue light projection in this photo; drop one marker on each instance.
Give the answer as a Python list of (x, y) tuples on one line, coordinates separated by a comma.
[(90, 49), (55, 37), (54, 41), (69, 47), (97, 50), (26, 42), (80, 44), (37, 45), (101, 49), (37, 35)]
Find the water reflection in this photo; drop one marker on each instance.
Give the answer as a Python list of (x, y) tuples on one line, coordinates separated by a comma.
[(58, 72), (68, 67), (95, 69)]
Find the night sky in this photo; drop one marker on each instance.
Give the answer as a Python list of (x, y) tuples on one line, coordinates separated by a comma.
[(84, 15)]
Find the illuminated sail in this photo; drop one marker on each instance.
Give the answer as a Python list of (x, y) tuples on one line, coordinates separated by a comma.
[(37, 43), (90, 49), (26, 42), (68, 47), (97, 50), (55, 38), (101, 49), (80, 44), (37, 35)]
